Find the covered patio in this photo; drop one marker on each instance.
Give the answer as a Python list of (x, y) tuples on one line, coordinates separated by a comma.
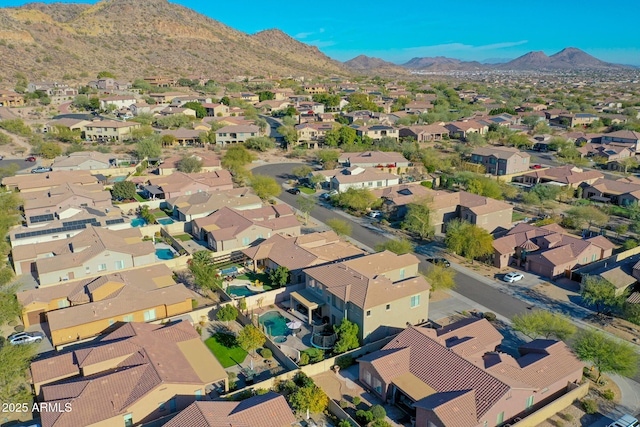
[(308, 299)]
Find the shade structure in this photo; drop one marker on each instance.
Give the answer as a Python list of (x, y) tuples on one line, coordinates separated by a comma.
[(294, 324), (529, 246)]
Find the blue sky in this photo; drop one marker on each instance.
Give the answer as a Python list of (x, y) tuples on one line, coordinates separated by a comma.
[(463, 29)]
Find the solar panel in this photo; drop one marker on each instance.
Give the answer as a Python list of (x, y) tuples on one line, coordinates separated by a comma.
[(79, 222), (40, 218), (50, 231), (114, 221)]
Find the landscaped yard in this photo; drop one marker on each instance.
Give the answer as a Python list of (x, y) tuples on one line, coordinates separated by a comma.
[(158, 213), (517, 216), (307, 190), (140, 198), (225, 348), (183, 237), (263, 277)]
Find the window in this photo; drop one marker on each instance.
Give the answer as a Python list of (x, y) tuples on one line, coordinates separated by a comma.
[(367, 377), (379, 183), (584, 260), (368, 313), (245, 241), (63, 303), (128, 420), (415, 301), (198, 394), (102, 267), (402, 273), (377, 385), (87, 270), (259, 236), (127, 318), (593, 257), (388, 307), (500, 418), (150, 315), (119, 265), (529, 402)]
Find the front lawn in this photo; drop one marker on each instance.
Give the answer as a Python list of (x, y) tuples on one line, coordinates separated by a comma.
[(225, 348), (517, 216), (307, 190)]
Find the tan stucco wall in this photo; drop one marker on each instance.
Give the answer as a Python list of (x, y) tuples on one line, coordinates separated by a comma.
[(383, 322)]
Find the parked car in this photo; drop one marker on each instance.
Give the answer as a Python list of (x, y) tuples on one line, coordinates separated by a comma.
[(536, 167), (440, 261), (625, 421), (375, 214), (514, 276), (293, 191), (40, 169), (325, 196), (30, 159), (26, 338)]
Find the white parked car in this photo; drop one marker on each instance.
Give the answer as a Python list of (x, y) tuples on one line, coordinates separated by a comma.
[(375, 214), (513, 277), (625, 421), (25, 338)]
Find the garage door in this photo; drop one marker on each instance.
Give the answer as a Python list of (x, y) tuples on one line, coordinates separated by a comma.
[(36, 317)]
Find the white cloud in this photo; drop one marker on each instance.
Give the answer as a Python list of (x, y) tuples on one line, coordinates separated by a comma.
[(302, 35), (321, 43)]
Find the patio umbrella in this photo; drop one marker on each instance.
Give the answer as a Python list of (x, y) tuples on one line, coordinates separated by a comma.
[(294, 324)]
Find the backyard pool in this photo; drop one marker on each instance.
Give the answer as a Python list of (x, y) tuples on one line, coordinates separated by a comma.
[(275, 323), (164, 254), (119, 178), (240, 291), (165, 221), (138, 222)]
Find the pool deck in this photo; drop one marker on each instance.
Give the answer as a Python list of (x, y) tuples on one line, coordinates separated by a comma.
[(300, 341)]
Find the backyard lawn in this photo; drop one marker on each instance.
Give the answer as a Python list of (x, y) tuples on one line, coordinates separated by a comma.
[(225, 348), (517, 216), (159, 213), (140, 198), (183, 237), (252, 277)]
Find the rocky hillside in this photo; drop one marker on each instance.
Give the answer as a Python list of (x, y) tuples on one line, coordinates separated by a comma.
[(442, 63), (568, 59), (134, 38), (366, 64)]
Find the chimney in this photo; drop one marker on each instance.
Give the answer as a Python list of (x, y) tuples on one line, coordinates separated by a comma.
[(347, 293)]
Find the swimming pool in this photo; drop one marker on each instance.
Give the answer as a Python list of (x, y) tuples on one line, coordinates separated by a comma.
[(240, 291), (275, 323), (164, 253), (138, 222), (165, 221), (119, 178)]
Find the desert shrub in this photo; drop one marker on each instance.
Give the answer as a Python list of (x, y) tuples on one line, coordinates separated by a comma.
[(608, 394), (490, 316), (344, 404), (364, 417), (590, 406), (345, 361), (266, 353), (378, 412), (566, 417), (356, 400)]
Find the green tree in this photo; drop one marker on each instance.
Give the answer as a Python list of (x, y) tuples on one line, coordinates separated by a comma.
[(591, 215), (399, 247), (260, 143), (347, 336), (106, 74), (204, 272), (598, 292), (237, 155), (250, 338), (49, 150), (143, 132), (266, 95), (123, 190), (302, 171), (418, 219), (306, 205), (10, 308), (355, 199), (148, 148), (607, 355), (441, 277), (190, 164), (628, 162), (468, 240), (621, 229), (14, 363), (289, 133), (280, 276), (311, 398), (544, 324), (340, 226), (378, 412), (197, 107), (228, 313), (265, 187)]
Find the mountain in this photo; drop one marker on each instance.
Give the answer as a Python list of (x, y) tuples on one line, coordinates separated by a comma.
[(364, 64), (495, 60), (442, 63), (133, 38), (568, 59)]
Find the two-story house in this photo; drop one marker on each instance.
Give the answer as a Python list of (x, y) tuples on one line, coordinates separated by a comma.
[(109, 130), (502, 160), (235, 134)]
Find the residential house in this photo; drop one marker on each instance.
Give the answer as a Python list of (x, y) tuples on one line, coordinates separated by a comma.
[(161, 81), (117, 101), (179, 101), (45, 181), (180, 183), (358, 177), (462, 130), (314, 89), (45, 205), (235, 134), (164, 97), (86, 308), (184, 137), (66, 123), (548, 250), (622, 275), (372, 159), (427, 133), (210, 163), (490, 214), (577, 119), (271, 105), (313, 133), (171, 111), (228, 229), (109, 84), (567, 175), (377, 132), (623, 136), (11, 99), (501, 160), (136, 374), (199, 205), (265, 410), (618, 192), (296, 253), (109, 130), (94, 251), (57, 92), (83, 160), (454, 377), (216, 110), (382, 293), (310, 107), (418, 107)]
